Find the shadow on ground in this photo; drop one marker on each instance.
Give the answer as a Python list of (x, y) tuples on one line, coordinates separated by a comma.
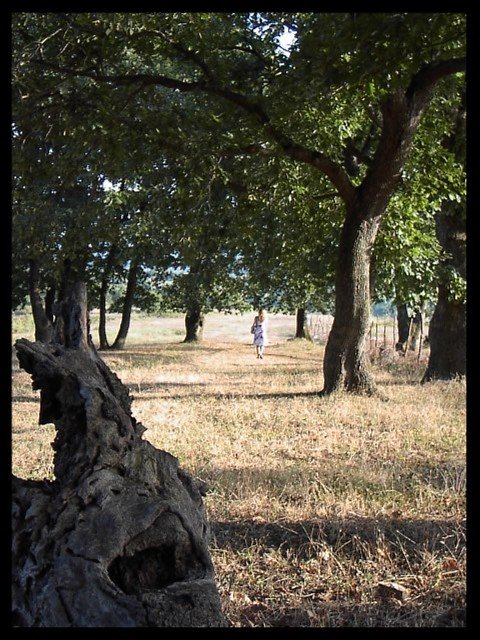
[(305, 537), (348, 538)]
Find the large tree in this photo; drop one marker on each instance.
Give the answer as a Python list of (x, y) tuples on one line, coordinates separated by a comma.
[(351, 94)]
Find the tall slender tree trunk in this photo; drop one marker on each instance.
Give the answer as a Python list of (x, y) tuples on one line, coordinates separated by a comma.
[(194, 324), (447, 339), (346, 363), (102, 322), (50, 303), (127, 305), (43, 325), (301, 324)]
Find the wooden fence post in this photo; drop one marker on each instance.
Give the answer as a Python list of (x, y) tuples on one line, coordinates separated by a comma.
[(420, 346)]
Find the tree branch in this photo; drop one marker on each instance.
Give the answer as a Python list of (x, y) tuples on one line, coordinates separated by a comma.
[(426, 78), (298, 152), (144, 79), (188, 54), (334, 172), (401, 113), (249, 149)]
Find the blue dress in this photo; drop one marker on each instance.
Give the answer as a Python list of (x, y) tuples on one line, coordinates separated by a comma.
[(259, 333)]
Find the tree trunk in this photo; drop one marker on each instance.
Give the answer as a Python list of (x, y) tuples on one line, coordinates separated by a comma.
[(102, 322), (43, 326), (119, 538), (447, 332), (447, 339), (403, 324), (127, 305), (194, 323), (346, 362), (72, 320), (301, 324), (49, 304)]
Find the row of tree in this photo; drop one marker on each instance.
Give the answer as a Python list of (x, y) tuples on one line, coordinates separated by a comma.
[(241, 174)]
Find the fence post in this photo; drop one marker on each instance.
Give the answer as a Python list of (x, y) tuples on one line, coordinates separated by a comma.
[(407, 343), (421, 342)]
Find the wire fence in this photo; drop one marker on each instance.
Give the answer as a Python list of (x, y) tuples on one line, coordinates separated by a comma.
[(319, 326), (382, 335)]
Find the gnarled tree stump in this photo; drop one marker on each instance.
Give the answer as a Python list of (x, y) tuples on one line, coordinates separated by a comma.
[(119, 538)]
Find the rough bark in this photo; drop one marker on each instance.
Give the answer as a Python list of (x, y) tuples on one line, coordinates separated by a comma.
[(120, 537), (346, 362), (301, 324), (72, 321), (102, 319), (447, 331), (43, 325), (194, 324), (447, 339), (119, 342)]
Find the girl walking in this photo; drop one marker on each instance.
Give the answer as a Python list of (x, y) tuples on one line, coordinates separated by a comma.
[(259, 330)]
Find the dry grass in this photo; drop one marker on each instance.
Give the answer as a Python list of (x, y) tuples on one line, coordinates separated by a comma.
[(313, 501)]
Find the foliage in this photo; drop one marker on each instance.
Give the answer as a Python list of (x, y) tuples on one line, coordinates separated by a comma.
[(431, 177), (292, 221), (93, 99)]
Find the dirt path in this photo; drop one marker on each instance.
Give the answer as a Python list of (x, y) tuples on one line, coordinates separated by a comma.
[(234, 354)]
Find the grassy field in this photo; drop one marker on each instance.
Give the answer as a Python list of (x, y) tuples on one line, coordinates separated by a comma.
[(313, 502)]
